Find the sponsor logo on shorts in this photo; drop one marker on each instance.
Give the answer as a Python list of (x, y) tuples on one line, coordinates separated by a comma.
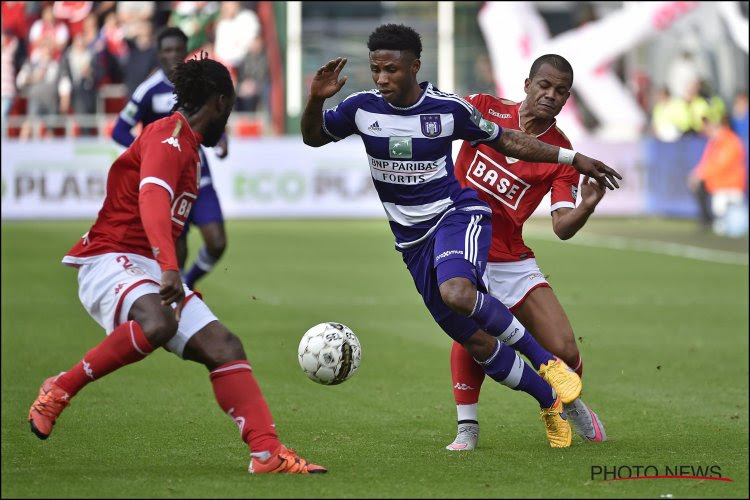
[(448, 253)]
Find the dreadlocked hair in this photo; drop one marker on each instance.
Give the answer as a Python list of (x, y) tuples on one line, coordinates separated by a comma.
[(198, 79)]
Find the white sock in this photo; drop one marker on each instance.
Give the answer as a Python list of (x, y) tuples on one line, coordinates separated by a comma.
[(467, 412)]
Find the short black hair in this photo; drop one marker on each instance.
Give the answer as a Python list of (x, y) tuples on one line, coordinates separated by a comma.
[(556, 61), (395, 37), (198, 79), (171, 32)]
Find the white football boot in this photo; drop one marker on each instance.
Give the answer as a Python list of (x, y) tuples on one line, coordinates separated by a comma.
[(466, 438)]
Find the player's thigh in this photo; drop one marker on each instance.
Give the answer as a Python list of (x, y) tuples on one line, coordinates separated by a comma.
[(543, 315), (109, 284), (461, 244), (214, 235), (419, 262)]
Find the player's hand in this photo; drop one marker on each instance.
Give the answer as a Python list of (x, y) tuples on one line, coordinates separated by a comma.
[(606, 176), (222, 147), (172, 292), (592, 192), (326, 82)]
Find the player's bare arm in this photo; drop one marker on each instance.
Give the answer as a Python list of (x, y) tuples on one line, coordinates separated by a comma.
[(525, 147), (566, 222), (325, 84)]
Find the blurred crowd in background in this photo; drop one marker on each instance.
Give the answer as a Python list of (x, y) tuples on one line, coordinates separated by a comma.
[(67, 57), (673, 85)]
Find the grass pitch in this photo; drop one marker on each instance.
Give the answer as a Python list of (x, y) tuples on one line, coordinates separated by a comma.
[(664, 340)]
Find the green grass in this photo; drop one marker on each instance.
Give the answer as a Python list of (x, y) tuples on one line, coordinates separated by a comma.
[(664, 341)]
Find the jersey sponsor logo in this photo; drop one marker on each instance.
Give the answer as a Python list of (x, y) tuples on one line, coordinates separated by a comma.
[(431, 125), (173, 141), (498, 114), (495, 180), (130, 110), (399, 147), (181, 207), (406, 171), (374, 127)]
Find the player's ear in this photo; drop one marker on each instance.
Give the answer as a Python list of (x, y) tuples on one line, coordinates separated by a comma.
[(527, 85), (415, 65)]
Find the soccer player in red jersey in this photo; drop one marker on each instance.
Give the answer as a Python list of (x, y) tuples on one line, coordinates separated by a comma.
[(129, 281), (514, 188)]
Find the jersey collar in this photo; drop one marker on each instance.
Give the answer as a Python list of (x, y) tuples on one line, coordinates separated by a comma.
[(425, 87)]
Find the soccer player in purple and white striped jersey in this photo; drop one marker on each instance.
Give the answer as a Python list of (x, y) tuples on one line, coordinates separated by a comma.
[(443, 231)]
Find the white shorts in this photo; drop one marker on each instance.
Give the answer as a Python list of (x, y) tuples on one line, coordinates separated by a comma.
[(511, 282), (110, 283)]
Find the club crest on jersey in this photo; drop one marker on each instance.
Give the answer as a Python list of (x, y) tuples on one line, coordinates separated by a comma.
[(431, 125)]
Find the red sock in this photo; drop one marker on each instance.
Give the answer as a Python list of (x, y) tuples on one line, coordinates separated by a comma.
[(578, 368), (126, 344), (467, 376), (239, 396)]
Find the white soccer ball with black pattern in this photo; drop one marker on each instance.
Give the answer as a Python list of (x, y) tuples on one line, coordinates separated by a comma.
[(329, 353)]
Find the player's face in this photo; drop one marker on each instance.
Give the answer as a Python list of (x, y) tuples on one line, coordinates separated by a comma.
[(547, 92), (172, 52), (223, 106), (395, 75)]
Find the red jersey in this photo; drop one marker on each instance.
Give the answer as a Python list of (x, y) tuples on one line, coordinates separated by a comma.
[(165, 154), (513, 188)]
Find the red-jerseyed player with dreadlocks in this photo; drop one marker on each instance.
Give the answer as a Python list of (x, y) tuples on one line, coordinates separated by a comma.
[(130, 283)]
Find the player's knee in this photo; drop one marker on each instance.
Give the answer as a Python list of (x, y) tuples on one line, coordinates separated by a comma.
[(459, 295), (216, 247), (159, 329), (567, 350), (214, 346)]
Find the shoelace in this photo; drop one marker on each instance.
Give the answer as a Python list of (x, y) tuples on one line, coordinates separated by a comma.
[(50, 406)]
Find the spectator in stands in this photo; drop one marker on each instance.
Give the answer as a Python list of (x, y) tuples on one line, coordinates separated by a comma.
[(130, 15), (39, 78), (719, 178), (236, 31), (8, 73), (142, 56), (670, 117), (703, 103), (682, 75), (253, 83), (49, 31), (79, 79), (72, 14), (196, 20)]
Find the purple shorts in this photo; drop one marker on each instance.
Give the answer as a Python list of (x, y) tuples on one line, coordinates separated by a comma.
[(206, 208), (457, 248)]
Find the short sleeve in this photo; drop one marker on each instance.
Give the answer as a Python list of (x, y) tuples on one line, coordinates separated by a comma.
[(339, 122), (163, 157), (565, 188), (131, 113), (471, 126)]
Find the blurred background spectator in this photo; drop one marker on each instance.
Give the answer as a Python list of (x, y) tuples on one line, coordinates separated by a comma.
[(719, 179), (236, 30), (48, 31), (739, 122), (142, 57), (670, 117), (196, 20), (252, 77), (8, 72), (39, 79)]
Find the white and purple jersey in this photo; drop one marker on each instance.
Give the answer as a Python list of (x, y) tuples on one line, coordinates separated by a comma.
[(409, 152)]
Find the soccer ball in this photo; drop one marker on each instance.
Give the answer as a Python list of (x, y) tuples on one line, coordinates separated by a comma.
[(329, 353)]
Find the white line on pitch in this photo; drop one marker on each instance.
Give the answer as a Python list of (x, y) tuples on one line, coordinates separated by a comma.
[(659, 247)]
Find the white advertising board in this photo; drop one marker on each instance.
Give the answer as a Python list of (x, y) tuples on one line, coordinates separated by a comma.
[(263, 178)]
